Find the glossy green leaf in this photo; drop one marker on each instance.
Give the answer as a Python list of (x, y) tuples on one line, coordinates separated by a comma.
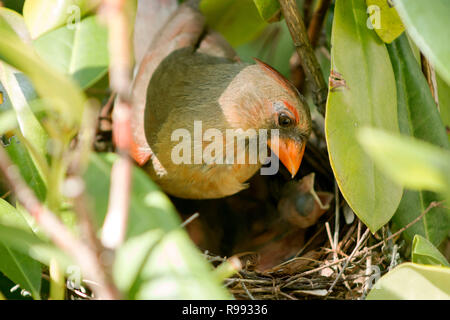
[(157, 260), (80, 51), (424, 252), (384, 20), (410, 281), (42, 16), (411, 162), (362, 94), (58, 92), (427, 23), (15, 265), (269, 10), (419, 117), (18, 93), (237, 20)]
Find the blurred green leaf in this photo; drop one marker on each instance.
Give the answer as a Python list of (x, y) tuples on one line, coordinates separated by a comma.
[(237, 20), (157, 260), (16, 5), (362, 94), (29, 125), (42, 16), (424, 252), (269, 9), (418, 117), (20, 156), (27, 243), (427, 23), (16, 233), (26, 89), (410, 281), (385, 20), (59, 93), (8, 121), (273, 46), (16, 266), (413, 163), (15, 22), (19, 93), (80, 51)]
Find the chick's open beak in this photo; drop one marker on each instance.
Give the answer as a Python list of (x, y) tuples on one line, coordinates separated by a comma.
[(290, 152)]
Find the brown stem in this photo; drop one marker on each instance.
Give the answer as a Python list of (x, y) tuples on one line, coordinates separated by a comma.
[(307, 5), (317, 19), (428, 71), (305, 52), (120, 74)]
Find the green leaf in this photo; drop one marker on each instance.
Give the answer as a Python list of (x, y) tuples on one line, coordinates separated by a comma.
[(59, 93), (410, 281), (18, 93), (444, 102), (16, 5), (411, 162), (16, 233), (268, 9), (42, 16), (21, 269), (419, 117), (157, 260), (237, 20), (20, 156), (16, 266), (362, 94), (427, 23), (80, 51), (8, 121), (385, 20), (27, 243), (424, 252), (274, 46)]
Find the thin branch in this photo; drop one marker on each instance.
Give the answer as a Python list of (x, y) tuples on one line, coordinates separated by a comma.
[(117, 19), (358, 245), (305, 52), (432, 205), (317, 19), (366, 250)]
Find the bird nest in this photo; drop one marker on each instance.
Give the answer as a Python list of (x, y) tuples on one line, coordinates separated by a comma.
[(340, 259), (323, 269)]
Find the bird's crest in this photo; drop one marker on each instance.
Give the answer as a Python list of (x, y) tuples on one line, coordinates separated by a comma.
[(278, 77)]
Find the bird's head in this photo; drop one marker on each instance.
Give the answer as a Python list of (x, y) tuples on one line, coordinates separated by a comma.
[(265, 99)]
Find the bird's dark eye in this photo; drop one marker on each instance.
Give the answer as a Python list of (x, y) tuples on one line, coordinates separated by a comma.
[(284, 120)]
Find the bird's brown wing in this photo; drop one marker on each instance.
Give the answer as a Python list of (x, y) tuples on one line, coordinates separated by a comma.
[(151, 16), (183, 29)]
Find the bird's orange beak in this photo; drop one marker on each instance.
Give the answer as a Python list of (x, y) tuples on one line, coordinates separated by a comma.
[(290, 153)]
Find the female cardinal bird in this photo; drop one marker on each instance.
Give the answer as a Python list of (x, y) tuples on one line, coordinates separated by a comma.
[(192, 80)]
